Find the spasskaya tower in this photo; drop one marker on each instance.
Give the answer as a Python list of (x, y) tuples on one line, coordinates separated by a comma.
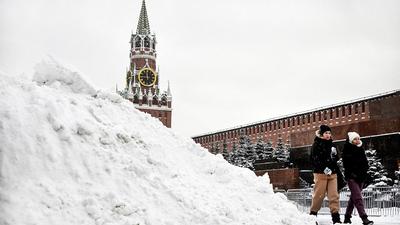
[(142, 77)]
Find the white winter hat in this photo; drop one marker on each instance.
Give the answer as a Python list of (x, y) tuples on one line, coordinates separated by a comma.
[(352, 136)]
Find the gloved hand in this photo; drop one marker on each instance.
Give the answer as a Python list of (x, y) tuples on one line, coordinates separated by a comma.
[(327, 171)]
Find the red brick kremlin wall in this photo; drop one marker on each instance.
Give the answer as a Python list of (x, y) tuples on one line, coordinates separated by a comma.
[(373, 115)]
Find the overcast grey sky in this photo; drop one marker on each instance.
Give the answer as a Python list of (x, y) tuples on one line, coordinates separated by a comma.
[(229, 62)]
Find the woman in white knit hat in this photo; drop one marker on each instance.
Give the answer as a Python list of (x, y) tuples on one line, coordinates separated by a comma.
[(355, 165)]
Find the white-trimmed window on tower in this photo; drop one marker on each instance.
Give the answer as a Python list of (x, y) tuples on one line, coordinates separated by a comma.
[(147, 42), (138, 42)]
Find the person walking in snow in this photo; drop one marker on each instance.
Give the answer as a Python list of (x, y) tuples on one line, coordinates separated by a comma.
[(324, 162), (355, 165)]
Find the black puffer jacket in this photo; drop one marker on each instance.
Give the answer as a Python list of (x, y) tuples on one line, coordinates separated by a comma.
[(355, 162), (321, 156)]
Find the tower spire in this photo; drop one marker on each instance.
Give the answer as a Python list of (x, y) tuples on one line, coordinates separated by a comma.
[(143, 24)]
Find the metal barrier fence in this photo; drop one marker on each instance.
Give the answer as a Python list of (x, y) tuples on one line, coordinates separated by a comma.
[(378, 201)]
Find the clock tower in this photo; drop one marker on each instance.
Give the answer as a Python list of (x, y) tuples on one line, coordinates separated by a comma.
[(143, 76)]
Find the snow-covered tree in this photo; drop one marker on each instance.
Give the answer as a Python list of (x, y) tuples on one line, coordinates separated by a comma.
[(260, 149), (269, 150), (212, 149), (225, 150), (230, 157), (250, 153), (245, 155), (288, 149), (217, 148), (281, 152), (377, 174), (397, 178)]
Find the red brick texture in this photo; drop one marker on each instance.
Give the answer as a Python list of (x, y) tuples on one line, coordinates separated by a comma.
[(287, 178), (369, 116)]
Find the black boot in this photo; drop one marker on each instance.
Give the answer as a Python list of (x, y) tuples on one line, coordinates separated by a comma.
[(336, 218), (366, 221), (347, 219)]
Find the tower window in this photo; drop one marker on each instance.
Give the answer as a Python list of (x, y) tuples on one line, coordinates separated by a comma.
[(138, 42), (146, 42), (362, 107)]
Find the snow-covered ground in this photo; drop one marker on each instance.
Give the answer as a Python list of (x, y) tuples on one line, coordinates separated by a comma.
[(72, 154), (380, 220)]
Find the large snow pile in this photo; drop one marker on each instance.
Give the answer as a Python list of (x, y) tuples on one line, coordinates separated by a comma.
[(72, 155)]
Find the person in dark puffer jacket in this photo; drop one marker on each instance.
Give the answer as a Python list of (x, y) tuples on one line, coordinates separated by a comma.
[(355, 165), (324, 161)]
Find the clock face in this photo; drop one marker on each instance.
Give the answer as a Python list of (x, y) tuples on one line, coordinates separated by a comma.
[(147, 77)]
